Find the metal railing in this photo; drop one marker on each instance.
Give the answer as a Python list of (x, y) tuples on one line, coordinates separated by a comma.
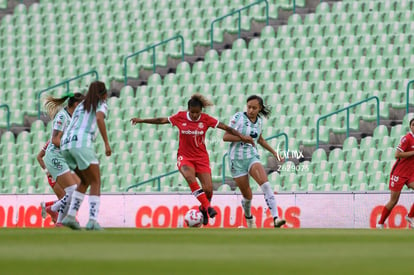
[(408, 96), (347, 116), (65, 82), (8, 114), (154, 61), (223, 169), (157, 178), (239, 19)]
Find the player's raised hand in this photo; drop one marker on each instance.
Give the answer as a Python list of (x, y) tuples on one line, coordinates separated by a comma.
[(135, 120)]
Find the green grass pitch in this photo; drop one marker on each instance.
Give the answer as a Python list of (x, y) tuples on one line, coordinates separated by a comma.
[(206, 251)]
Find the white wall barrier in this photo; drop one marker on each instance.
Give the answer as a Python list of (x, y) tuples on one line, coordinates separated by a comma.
[(314, 210)]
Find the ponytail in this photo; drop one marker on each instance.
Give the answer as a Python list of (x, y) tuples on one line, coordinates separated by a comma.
[(53, 105), (197, 100)]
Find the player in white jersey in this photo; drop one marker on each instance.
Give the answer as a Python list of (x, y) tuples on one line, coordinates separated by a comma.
[(244, 158), (55, 163), (78, 149)]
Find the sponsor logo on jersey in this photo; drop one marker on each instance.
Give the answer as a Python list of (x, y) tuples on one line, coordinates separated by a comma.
[(189, 132), (70, 139)]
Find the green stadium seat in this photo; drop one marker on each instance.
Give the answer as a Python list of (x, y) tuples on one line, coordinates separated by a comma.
[(367, 143), (324, 181), (359, 181), (322, 166), (290, 181), (370, 154), (341, 179), (375, 179), (352, 155), (388, 154), (7, 137), (336, 155), (304, 180), (350, 143), (398, 131), (3, 4), (224, 188), (340, 165)]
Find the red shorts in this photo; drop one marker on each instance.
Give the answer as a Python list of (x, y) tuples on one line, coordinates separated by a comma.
[(51, 181), (397, 182), (200, 165)]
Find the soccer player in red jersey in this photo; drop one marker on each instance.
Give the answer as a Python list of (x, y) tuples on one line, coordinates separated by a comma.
[(192, 156), (401, 174)]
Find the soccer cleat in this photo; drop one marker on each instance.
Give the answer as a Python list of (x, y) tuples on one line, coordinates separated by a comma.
[(212, 212), (71, 222), (278, 222), (206, 213), (205, 216), (251, 222), (410, 220), (93, 225), (43, 206), (53, 214), (59, 224), (380, 226)]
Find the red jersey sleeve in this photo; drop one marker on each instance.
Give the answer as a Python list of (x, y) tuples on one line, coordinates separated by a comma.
[(174, 119), (404, 144), (211, 121)]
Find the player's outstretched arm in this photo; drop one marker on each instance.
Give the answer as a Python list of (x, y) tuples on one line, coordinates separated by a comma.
[(157, 120), (269, 148), (237, 134), (100, 120), (40, 159), (399, 154), (230, 138)]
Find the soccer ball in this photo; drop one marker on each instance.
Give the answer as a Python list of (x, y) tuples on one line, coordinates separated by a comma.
[(193, 218)]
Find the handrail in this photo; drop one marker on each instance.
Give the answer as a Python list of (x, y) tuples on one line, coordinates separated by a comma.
[(239, 20), (223, 168), (67, 81), (347, 116), (158, 178), (154, 61), (8, 114), (408, 96)]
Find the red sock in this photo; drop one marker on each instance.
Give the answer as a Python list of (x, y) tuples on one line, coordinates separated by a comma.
[(49, 203), (199, 194), (384, 215), (209, 197), (411, 214)]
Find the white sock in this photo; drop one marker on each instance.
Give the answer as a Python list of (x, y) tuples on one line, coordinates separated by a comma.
[(65, 202), (57, 204), (75, 203), (269, 198), (94, 203), (247, 207), (63, 210)]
